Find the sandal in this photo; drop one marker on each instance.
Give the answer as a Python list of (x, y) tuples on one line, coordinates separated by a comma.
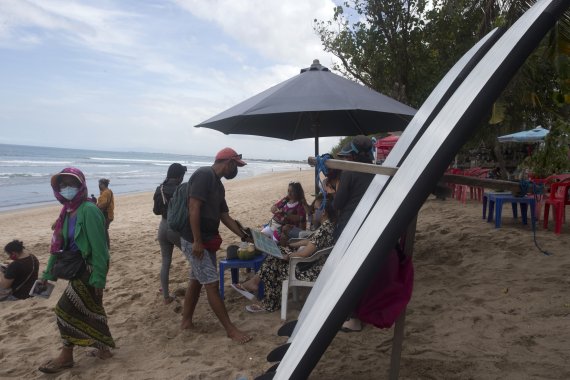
[(255, 308), (51, 366)]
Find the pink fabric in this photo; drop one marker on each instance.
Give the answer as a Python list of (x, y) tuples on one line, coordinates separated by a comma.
[(68, 206), (389, 292)]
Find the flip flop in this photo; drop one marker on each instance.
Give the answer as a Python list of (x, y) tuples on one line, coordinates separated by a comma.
[(52, 367), (347, 329), (238, 288), (255, 309)]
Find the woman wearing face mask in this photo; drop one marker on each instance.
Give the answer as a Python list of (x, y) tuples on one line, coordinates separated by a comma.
[(17, 279), (273, 270), (80, 228), (167, 238)]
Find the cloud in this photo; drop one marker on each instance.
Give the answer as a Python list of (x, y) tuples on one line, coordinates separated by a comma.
[(278, 30), (146, 72)]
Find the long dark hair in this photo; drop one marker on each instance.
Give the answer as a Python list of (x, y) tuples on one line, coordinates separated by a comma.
[(298, 191)]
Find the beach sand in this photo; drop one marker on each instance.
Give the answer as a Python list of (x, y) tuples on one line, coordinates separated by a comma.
[(486, 303)]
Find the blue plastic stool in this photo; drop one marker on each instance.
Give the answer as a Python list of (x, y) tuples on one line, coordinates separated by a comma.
[(486, 199), (234, 265), (496, 203)]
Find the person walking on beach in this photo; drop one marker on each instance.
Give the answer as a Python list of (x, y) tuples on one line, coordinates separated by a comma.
[(79, 230), (106, 203), (201, 239), (167, 238), (17, 279)]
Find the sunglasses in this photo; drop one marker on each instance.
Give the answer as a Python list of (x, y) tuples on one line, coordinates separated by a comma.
[(237, 156)]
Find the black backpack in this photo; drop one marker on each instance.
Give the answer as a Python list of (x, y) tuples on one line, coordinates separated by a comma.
[(160, 206)]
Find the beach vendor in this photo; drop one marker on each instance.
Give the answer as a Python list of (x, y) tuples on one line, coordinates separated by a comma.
[(200, 239), (350, 189), (351, 186), (17, 278), (79, 254), (167, 237), (274, 270), (106, 204), (289, 214)]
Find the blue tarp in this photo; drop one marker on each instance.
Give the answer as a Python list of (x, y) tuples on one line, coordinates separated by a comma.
[(534, 135)]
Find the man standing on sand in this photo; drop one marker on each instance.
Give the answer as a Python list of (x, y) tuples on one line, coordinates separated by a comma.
[(201, 239)]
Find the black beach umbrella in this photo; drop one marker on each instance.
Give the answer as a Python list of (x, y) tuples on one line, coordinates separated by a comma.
[(313, 104)]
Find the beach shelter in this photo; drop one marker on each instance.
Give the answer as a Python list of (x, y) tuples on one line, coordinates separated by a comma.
[(315, 103), (384, 146), (534, 135)]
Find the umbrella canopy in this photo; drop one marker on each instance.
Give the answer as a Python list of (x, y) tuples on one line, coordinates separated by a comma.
[(534, 135), (314, 103)]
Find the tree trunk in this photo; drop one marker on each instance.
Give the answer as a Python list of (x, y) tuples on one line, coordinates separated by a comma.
[(500, 160)]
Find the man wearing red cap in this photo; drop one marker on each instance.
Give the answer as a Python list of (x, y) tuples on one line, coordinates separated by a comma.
[(207, 207)]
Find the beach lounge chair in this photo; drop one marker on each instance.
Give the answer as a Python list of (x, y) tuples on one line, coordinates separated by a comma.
[(293, 281)]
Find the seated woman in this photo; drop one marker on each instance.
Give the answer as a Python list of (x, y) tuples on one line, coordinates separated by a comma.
[(289, 213), (273, 270), (17, 279)]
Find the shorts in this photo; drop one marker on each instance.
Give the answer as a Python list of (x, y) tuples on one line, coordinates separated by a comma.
[(205, 271)]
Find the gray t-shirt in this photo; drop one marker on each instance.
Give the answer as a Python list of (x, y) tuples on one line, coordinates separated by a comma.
[(207, 187)]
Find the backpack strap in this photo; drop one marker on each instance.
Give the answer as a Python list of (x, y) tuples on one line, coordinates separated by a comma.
[(163, 196)]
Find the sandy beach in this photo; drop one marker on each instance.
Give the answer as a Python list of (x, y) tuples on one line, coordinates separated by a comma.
[(486, 303)]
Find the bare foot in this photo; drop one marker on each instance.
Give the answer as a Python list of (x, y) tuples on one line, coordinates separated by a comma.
[(249, 286), (168, 300), (186, 325), (239, 336)]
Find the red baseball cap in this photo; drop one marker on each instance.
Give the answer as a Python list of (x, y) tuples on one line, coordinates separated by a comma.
[(230, 154)]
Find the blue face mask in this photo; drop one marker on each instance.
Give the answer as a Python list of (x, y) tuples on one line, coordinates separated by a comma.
[(68, 192)]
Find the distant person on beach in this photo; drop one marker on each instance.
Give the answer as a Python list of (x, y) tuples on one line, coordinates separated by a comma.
[(106, 203), (167, 238), (201, 239), (274, 270), (17, 279), (80, 230), (289, 214)]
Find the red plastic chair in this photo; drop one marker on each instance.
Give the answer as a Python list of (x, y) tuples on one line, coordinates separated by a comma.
[(559, 198)]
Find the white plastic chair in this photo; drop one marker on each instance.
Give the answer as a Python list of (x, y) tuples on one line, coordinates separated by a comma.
[(293, 281)]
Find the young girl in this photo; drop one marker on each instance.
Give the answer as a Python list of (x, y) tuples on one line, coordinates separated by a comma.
[(289, 214)]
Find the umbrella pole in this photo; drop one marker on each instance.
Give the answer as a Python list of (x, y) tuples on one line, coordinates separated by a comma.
[(316, 125)]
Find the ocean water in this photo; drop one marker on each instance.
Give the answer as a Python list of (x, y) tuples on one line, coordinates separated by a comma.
[(25, 171)]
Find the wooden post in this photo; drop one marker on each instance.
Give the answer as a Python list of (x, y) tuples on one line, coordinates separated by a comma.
[(398, 339), (513, 187)]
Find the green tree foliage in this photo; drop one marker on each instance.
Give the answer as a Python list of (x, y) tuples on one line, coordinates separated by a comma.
[(402, 48), (553, 156)]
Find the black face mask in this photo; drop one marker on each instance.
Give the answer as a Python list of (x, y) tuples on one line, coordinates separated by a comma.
[(233, 173)]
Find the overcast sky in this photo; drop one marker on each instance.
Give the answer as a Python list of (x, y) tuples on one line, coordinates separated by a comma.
[(139, 74)]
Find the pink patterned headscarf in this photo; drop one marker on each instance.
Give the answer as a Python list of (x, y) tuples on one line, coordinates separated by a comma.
[(68, 206)]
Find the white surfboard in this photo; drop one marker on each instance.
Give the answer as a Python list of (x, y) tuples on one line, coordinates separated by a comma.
[(406, 191)]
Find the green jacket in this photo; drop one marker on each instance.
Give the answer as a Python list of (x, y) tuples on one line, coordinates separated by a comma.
[(91, 240)]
